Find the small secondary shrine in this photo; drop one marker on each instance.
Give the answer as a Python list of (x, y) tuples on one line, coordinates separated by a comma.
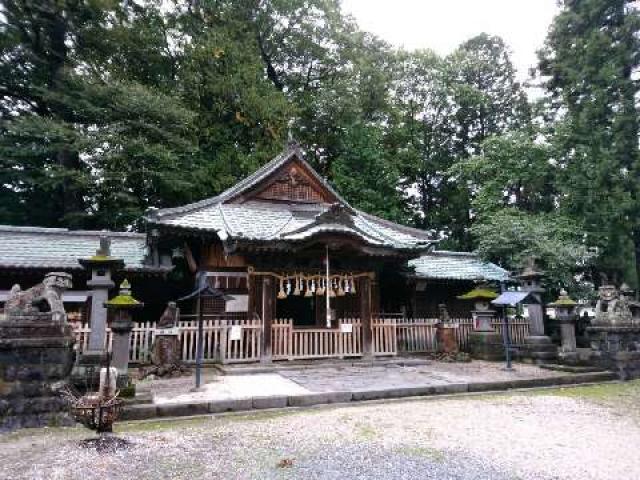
[(292, 253)]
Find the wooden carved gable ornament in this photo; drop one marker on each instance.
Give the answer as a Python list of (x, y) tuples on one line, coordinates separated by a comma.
[(293, 185)]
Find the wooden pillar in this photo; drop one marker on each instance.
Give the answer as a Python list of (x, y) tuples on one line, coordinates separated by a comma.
[(268, 308), (365, 317)]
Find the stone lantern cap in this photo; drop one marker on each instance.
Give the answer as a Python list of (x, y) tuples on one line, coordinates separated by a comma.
[(626, 290), (481, 292), (530, 271), (124, 300), (102, 257), (563, 301)]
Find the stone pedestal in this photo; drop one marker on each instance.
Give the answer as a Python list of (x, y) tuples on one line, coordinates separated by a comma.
[(36, 356), (446, 337), (484, 342), (538, 349), (568, 352), (616, 348), (120, 351)]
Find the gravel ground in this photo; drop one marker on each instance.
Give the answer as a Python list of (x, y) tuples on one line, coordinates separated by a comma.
[(562, 434)]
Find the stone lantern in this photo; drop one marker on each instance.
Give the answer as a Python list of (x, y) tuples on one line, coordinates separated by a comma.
[(101, 267), (121, 308), (537, 347), (565, 309), (484, 342)]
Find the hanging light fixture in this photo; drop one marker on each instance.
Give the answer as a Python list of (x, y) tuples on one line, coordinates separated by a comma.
[(332, 288), (353, 285), (308, 293), (281, 293), (320, 289), (288, 286), (340, 291)]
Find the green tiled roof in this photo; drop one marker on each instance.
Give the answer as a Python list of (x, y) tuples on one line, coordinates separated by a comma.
[(445, 265), (59, 248)]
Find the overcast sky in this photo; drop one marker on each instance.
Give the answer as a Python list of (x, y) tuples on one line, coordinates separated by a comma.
[(441, 25)]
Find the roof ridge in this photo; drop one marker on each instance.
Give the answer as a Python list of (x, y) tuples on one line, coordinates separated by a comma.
[(389, 223), (66, 231), (454, 253)]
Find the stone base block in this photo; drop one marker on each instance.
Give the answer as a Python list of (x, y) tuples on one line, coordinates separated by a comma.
[(538, 349), (36, 356), (486, 345)]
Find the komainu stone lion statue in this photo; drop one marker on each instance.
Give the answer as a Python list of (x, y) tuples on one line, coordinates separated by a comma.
[(43, 297), (612, 308)]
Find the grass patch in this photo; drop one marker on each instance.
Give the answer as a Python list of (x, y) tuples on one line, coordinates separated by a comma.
[(432, 454), (605, 391), (365, 431), (161, 424)]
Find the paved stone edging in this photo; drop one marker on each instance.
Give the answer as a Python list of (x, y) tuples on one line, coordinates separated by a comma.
[(148, 411)]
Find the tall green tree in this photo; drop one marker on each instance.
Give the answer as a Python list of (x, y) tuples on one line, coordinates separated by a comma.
[(588, 63), (82, 146)]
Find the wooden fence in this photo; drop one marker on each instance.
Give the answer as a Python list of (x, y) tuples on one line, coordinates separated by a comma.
[(234, 340), (289, 343)]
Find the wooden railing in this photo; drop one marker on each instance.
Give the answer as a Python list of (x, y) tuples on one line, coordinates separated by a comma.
[(385, 336), (219, 343), (233, 340), (416, 335), (226, 340)]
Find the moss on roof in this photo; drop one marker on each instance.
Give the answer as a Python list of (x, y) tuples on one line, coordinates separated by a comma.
[(479, 293)]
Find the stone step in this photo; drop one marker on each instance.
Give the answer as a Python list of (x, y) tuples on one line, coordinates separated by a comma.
[(149, 411), (572, 368)]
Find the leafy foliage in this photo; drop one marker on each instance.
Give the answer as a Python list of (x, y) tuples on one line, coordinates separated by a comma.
[(108, 108)]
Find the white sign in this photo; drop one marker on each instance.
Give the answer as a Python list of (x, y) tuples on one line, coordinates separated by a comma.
[(238, 303), (168, 331), (235, 333), (346, 327)]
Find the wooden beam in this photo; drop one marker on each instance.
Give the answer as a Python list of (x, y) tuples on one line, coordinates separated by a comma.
[(365, 317), (268, 307), (188, 255)]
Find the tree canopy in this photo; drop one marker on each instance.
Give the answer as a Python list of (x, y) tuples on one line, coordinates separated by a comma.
[(108, 108)]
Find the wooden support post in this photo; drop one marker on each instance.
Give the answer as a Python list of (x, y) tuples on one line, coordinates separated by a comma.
[(365, 317), (268, 307)]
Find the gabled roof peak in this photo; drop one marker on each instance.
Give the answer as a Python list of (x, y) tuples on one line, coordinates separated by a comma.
[(291, 153)]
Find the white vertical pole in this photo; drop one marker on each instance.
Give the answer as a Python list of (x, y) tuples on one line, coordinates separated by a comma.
[(327, 286)]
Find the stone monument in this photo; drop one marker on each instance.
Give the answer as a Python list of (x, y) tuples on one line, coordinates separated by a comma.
[(446, 332), (101, 267), (36, 355), (537, 347), (166, 355), (484, 342)]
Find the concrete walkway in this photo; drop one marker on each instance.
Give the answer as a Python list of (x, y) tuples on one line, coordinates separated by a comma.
[(338, 383)]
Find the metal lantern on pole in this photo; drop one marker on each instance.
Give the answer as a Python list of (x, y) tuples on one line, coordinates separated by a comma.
[(202, 290), (511, 299)]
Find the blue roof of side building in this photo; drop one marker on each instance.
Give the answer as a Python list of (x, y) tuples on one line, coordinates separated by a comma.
[(446, 265), (59, 248)]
